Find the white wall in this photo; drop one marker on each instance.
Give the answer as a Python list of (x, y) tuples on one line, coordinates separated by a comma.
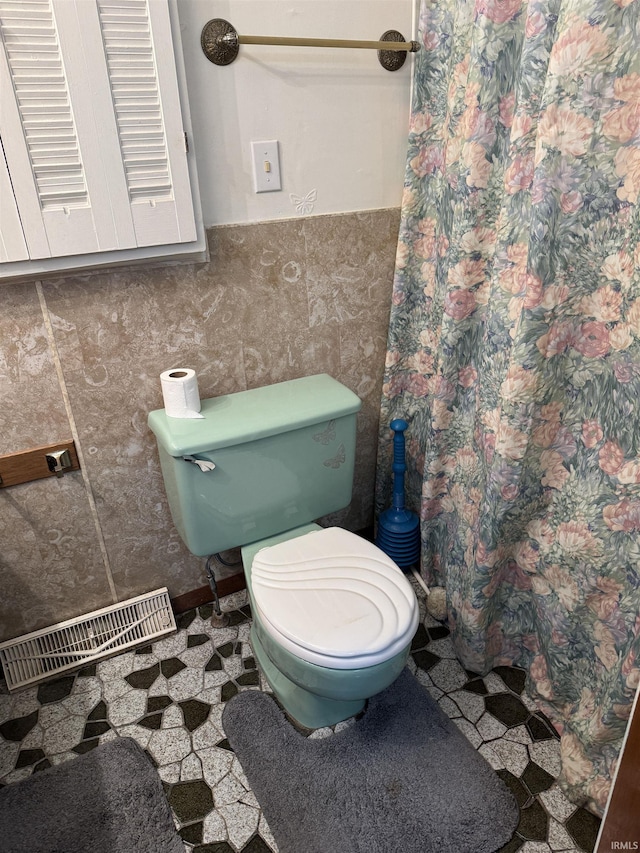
[(340, 118)]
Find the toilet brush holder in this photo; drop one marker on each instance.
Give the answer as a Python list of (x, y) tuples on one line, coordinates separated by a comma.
[(399, 529)]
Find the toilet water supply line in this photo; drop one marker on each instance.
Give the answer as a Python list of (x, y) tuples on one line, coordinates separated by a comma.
[(211, 577), (218, 618)]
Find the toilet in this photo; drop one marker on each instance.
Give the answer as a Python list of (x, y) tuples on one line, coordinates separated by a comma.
[(333, 615)]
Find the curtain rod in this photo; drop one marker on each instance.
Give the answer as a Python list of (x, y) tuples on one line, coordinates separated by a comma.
[(221, 43)]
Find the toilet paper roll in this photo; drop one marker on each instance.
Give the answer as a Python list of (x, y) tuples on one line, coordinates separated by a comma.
[(180, 393)]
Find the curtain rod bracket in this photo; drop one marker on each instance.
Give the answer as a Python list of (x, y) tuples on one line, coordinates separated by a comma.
[(221, 44)]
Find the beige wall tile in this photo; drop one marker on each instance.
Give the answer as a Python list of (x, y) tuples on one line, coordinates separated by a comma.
[(349, 266), (32, 411), (51, 568)]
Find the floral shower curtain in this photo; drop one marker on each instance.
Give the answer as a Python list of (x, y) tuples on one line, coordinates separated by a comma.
[(514, 351)]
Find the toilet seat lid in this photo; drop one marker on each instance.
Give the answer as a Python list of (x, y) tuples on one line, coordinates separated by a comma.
[(334, 599)]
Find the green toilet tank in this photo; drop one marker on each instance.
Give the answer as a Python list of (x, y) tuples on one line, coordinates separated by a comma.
[(283, 455)]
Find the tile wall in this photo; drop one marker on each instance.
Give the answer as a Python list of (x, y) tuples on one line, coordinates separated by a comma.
[(81, 356)]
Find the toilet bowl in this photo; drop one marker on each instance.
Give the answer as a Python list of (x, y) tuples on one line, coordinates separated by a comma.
[(333, 620)]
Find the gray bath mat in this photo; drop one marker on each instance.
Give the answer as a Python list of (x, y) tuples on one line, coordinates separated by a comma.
[(402, 778), (107, 801)]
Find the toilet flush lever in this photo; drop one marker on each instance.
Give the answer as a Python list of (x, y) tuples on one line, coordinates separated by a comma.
[(203, 464), (58, 461)]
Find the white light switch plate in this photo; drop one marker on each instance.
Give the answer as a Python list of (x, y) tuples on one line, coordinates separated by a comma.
[(266, 166)]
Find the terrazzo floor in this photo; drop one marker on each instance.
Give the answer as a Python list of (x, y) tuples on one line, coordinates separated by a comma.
[(169, 697)]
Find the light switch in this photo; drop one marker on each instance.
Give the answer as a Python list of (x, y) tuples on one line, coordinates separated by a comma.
[(266, 166)]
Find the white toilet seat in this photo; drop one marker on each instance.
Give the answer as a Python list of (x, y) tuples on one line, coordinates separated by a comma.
[(333, 599)]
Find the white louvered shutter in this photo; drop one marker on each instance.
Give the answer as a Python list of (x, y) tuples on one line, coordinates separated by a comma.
[(94, 163), (136, 34), (12, 245)]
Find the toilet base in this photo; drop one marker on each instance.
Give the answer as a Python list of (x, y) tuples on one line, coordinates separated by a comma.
[(306, 708)]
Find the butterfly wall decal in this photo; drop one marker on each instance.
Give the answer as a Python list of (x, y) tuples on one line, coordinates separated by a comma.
[(304, 204), (337, 460), (327, 434)]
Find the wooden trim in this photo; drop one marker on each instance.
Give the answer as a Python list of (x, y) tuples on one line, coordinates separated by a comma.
[(203, 595), (27, 465), (621, 825)]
